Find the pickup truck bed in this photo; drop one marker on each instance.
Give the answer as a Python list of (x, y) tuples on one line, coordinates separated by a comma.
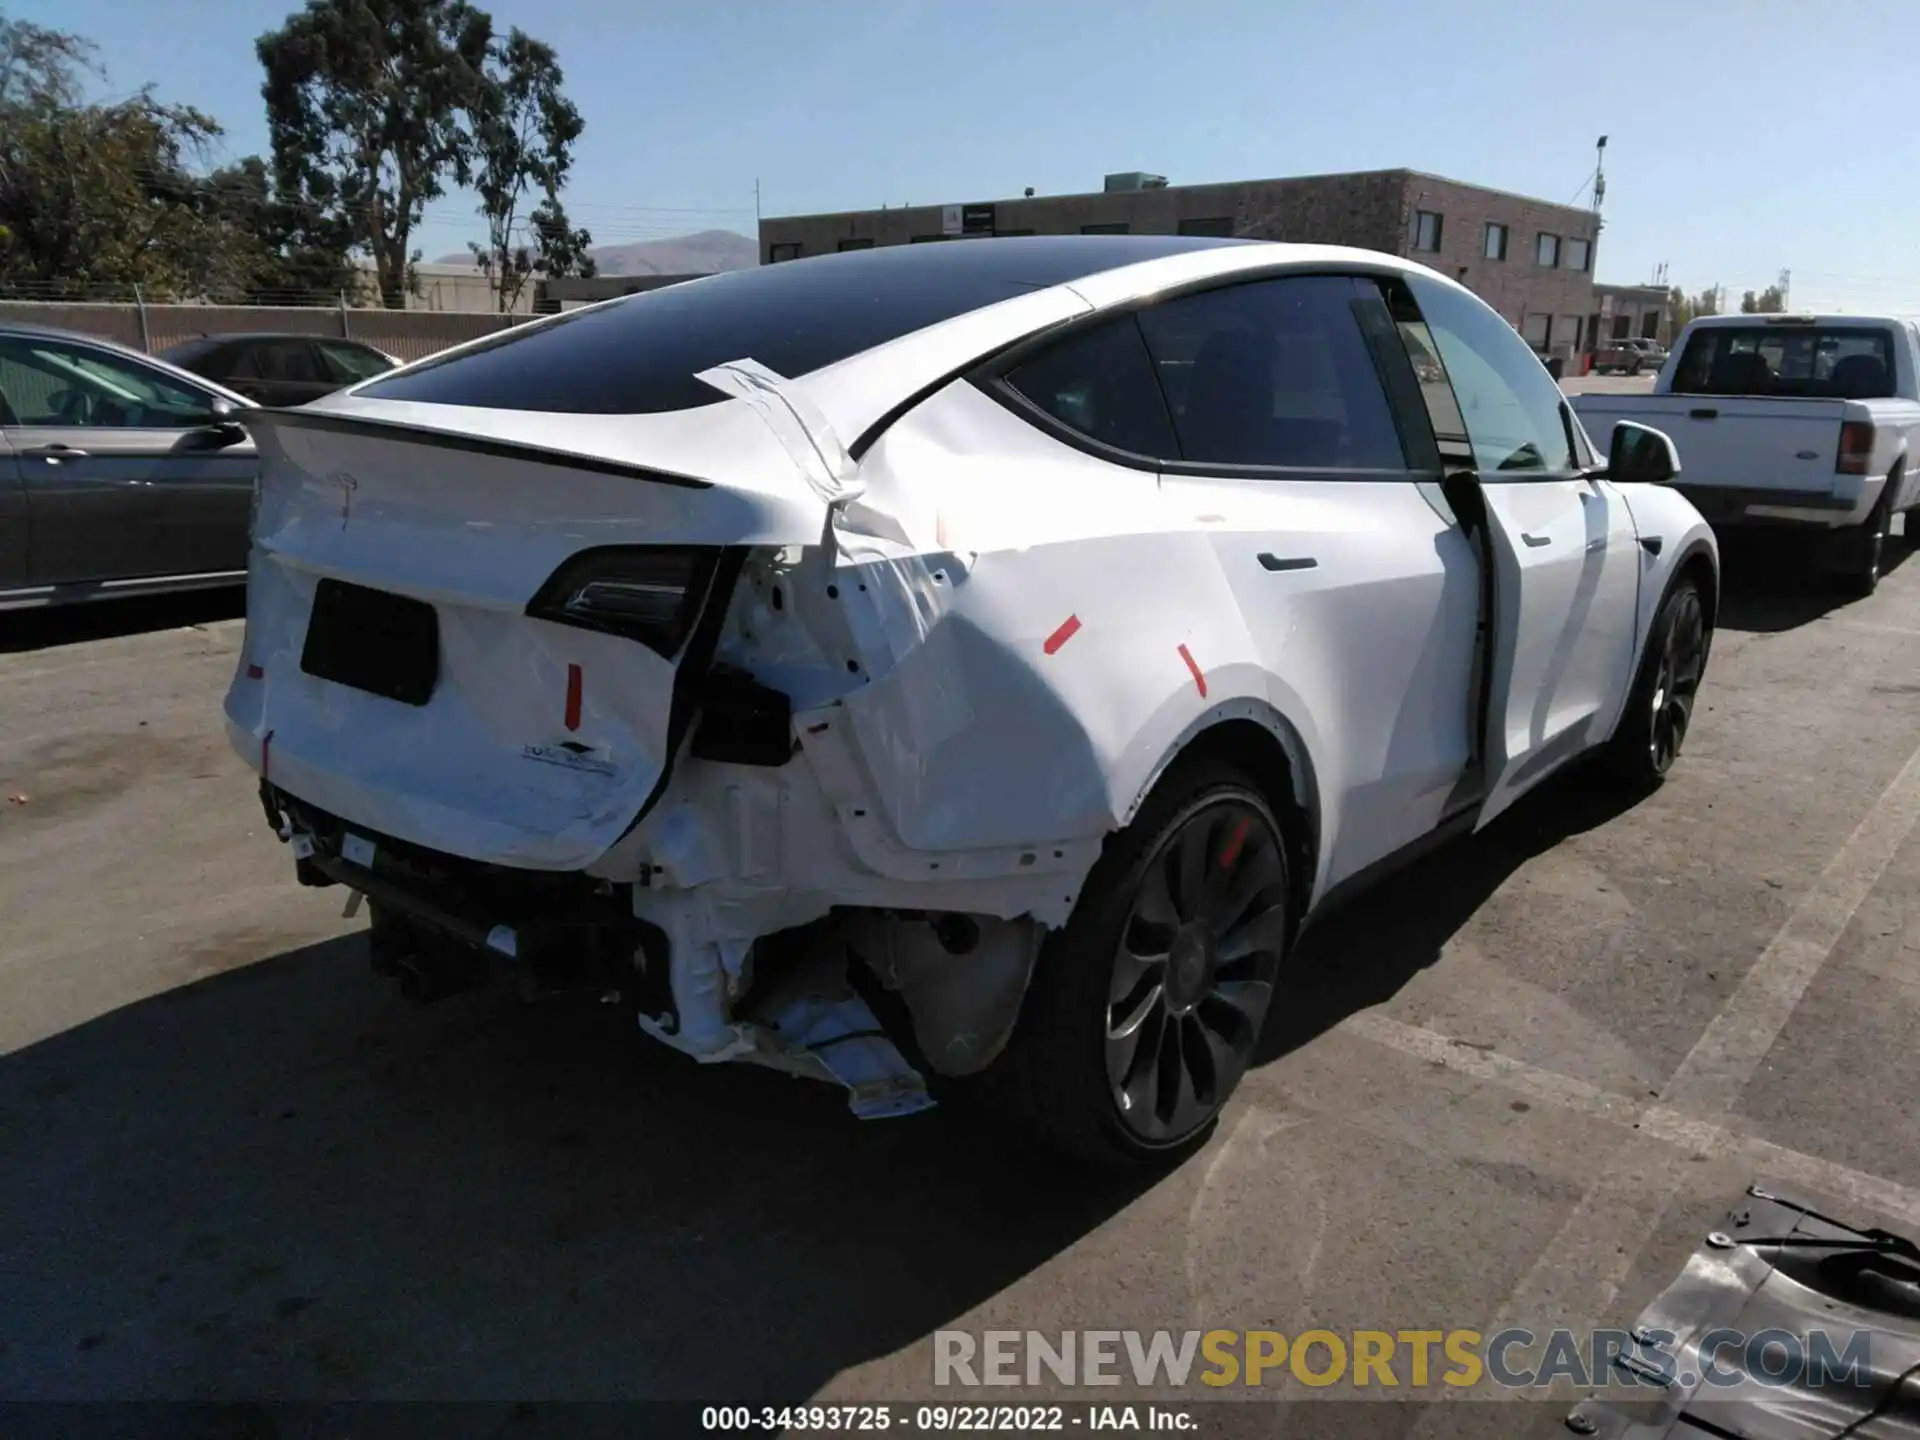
[(1789, 421), (1762, 461)]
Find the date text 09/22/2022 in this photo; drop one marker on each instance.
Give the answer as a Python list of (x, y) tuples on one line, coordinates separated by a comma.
[(941, 1419)]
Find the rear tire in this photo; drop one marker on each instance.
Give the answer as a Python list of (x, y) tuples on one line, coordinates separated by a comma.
[(1863, 550), (1145, 1010), (1660, 706)]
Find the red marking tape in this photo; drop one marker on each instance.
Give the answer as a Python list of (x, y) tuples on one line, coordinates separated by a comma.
[(1234, 843), (1199, 680), (573, 697), (1069, 627), (254, 672)]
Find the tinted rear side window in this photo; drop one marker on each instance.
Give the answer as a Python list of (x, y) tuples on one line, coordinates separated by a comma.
[(1100, 383), (1274, 372), (640, 354), (1829, 362)]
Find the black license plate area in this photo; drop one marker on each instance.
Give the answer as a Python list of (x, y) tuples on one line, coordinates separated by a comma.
[(384, 644)]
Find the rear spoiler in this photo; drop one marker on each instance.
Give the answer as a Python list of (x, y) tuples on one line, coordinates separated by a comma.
[(301, 418)]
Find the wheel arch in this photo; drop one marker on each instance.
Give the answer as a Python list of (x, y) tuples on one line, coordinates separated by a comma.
[(1258, 739)]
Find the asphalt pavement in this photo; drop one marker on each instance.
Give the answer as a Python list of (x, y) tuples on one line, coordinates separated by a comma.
[(1516, 1083)]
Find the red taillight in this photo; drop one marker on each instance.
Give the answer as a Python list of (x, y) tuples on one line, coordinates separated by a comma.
[(1856, 444)]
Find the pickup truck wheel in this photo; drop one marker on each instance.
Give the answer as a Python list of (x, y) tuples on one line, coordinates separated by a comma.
[(1865, 549), (1145, 1009), (1660, 707)]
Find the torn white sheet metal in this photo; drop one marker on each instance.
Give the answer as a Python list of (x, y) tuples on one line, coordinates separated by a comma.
[(807, 435), (812, 1024)]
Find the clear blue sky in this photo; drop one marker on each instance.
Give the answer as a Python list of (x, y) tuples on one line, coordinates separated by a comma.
[(1746, 136)]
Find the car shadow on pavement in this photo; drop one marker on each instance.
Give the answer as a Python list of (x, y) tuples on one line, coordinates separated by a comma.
[(1361, 952), (1767, 585), (285, 1183), (106, 619)]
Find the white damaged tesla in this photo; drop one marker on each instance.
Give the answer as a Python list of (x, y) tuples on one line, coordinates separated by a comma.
[(959, 665)]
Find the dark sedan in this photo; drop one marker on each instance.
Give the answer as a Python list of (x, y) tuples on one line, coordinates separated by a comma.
[(119, 474), (280, 369)]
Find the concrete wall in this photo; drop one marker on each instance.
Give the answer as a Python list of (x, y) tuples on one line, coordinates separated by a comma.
[(407, 334), (1637, 306)]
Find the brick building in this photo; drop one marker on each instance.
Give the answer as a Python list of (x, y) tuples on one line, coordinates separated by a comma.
[(1529, 259)]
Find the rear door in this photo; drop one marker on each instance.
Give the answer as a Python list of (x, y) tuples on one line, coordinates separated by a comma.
[(1566, 557), (1360, 594), (120, 472)]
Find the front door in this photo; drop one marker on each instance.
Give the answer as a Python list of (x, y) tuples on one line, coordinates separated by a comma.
[(1566, 561), (14, 518), (121, 474)]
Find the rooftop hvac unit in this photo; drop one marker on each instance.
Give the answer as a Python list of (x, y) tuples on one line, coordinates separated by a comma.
[(1135, 180)]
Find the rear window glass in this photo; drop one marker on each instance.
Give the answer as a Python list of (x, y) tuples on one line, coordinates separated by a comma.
[(1820, 362), (640, 354), (1100, 383)]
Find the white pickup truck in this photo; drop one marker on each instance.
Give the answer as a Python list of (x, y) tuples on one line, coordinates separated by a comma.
[(1790, 420)]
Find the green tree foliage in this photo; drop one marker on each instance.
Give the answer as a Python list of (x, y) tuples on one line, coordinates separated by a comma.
[(523, 130), (96, 198), (1688, 308), (1770, 301), (365, 104)]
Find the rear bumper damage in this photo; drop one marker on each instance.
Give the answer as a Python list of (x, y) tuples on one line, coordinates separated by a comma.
[(728, 970)]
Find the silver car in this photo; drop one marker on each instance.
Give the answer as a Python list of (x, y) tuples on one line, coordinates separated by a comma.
[(119, 474)]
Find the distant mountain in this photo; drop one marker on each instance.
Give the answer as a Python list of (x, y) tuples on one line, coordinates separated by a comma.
[(705, 253)]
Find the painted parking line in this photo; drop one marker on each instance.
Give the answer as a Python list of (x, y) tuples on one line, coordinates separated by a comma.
[(1689, 1133), (1577, 1278)]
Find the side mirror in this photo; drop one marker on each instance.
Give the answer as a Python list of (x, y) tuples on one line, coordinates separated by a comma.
[(1641, 455), (220, 420)]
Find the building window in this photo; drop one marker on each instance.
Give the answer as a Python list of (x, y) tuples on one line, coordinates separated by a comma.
[(927, 239), (863, 243), (1622, 325), (1426, 230), (1495, 247), (1576, 253), (1650, 325), (1118, 227), (783, 250), (1546, 250), (1538, 331), (1221, 227)]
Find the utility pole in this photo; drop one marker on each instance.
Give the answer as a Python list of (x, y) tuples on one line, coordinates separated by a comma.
[(1786, 289)]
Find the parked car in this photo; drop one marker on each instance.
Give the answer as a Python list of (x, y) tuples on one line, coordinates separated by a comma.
[(119, 474), (1629, 356), (1807, 422), (280, 369), (1042, 627)]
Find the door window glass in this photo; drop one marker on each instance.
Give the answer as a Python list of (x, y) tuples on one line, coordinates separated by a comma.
[(286, 360), (349, 363), (54, 383), (1273, 372), (1100, 383), (1509, 407)]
